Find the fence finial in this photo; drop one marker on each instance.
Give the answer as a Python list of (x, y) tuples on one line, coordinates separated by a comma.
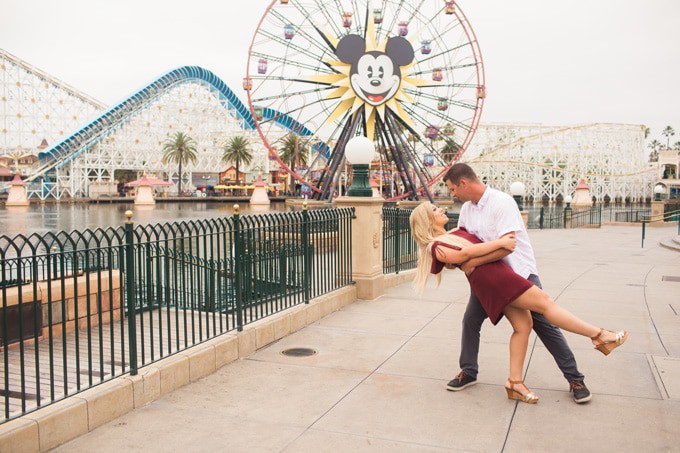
[(304, 205), (236, 208), (128, 214)]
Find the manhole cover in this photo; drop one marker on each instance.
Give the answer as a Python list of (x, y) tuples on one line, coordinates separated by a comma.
[(298, 352)]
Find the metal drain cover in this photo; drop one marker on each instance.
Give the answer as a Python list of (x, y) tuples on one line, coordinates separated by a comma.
[(298, 352)]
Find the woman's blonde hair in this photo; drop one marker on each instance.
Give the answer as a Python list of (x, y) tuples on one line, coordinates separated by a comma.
[(423, 233)]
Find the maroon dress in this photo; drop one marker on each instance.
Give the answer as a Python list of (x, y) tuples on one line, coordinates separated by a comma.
[(494, 284)]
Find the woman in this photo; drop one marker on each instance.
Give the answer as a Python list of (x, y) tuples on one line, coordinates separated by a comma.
[(500, 290)]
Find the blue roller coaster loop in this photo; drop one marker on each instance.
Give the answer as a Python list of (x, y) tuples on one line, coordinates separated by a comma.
[(75, 144)]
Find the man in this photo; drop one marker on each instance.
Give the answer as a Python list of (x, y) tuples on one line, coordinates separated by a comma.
[(490, 214)]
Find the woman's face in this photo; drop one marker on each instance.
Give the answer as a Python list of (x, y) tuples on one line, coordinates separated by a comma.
[(439, 217)]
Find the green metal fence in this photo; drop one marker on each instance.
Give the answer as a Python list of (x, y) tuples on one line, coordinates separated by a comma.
[(400, 251), (80, 308), (556, 218)]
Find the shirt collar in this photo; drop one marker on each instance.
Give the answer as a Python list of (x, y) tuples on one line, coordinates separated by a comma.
[(482, 201)]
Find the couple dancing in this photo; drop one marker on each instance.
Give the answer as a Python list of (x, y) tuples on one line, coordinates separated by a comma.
[(492, 247)]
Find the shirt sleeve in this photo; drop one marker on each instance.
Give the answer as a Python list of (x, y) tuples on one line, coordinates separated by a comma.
[(437, 266), (508, 218)]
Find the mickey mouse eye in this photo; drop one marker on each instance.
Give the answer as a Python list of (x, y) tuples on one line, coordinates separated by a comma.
[(381, 72), (370, 72)]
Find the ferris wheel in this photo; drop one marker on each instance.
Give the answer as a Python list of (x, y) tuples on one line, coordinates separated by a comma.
[(407, 74)]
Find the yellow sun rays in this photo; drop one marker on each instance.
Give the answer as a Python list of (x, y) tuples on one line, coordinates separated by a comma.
[(350, 102)]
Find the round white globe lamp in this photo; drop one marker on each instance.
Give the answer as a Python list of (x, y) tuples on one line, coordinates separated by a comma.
[(518, 190), (659, 192), (359, 152)]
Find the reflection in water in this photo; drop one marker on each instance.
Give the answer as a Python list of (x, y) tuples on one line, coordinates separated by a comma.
[(43, 218)]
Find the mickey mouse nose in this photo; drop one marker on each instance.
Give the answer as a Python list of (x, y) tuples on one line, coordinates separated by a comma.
[(375, 82)]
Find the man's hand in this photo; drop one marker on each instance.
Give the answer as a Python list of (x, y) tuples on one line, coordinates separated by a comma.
[(468, 267)]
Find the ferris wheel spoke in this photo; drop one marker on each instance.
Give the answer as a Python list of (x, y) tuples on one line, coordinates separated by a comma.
[(331, 23), (445, 68), (447, 52), (433, 97), (301, 32), (289, 45), (279, 96), (437, 114), (378, 25), (292, 111), (297, 64)]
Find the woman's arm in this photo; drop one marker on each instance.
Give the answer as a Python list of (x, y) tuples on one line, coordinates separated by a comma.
[(452, 256), (469, 266)]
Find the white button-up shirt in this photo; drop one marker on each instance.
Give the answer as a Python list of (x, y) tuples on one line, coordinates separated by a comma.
[(495, 215)]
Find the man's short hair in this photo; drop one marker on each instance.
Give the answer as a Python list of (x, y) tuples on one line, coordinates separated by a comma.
[(459, 171)]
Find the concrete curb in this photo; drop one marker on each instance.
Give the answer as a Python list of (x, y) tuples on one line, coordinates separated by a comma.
[(76, 415)]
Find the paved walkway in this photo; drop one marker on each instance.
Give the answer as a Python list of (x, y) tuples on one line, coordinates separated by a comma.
[(377, 382)]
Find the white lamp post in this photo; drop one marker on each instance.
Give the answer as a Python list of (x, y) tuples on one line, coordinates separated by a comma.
[(659, 191), (567, 200), (359, 152), (518, 190)]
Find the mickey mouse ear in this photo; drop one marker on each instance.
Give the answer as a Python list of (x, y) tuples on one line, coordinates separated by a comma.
[(400, 50), (350, 49)]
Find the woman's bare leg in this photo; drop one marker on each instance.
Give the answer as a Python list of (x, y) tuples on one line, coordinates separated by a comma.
[(521, 322), (539, 301)]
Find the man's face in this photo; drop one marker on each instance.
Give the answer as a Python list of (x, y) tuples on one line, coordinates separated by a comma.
[(459, 191)]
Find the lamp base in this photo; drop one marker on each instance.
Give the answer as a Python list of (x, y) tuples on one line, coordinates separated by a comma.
[(360, 186)]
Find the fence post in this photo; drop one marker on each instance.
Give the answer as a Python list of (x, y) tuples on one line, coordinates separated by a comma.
[(642, 244), (238, 255), (540, 221), (306, 259), (397, 239), (130, 292)]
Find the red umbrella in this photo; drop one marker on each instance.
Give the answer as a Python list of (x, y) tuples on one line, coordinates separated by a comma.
[(144, 181)]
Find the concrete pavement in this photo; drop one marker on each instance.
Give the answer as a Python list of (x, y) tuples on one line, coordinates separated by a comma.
[(377, 380)]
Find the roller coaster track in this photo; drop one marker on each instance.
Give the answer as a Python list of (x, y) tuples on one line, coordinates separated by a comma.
[(80, 141)]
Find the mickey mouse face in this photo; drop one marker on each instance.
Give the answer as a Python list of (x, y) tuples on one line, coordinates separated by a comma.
[(375, 76), (374, 80)]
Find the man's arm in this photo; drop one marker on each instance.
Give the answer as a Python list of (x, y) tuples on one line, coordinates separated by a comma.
[(469, 266), (473, 263)]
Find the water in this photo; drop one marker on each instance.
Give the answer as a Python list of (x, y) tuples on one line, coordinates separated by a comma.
[(42, 218)]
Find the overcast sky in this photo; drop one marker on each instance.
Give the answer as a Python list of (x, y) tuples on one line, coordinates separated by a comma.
[(556, 63)]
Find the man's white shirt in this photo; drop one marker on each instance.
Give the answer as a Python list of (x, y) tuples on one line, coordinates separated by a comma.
[(495, 215)]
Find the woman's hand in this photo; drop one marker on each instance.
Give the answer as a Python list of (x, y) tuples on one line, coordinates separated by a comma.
[(508, 242)]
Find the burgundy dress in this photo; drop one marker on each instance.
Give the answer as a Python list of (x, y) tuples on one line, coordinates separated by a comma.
[(494, 284)]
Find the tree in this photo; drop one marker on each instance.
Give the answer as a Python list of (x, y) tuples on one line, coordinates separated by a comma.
[(676, 146), (294, 151), (237, 150), (449, 149), (179, 149), (654, 146), (668, 132)]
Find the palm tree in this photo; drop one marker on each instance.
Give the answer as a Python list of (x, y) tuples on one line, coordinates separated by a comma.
[(294, 151), (668, 132), (449, 149), (237, 150), (654, 146), (179, 149)]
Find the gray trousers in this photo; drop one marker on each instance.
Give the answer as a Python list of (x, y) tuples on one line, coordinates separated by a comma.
[(551, 336)]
